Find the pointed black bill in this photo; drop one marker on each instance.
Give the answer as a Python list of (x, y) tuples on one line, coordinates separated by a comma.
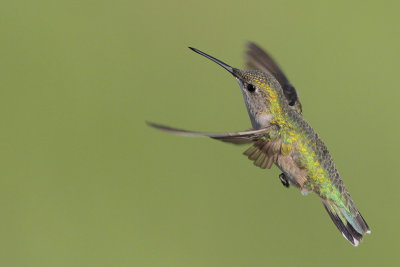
[(219, 62)]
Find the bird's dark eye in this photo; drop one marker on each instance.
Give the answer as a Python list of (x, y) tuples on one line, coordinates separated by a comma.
[(250, 87)]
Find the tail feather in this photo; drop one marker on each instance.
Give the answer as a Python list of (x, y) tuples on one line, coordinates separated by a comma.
[(352, 226)]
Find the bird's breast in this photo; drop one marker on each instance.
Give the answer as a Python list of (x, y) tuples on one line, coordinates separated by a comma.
[(263, 120)]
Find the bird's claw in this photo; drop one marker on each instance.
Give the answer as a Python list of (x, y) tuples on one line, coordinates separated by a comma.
[(284, 180)]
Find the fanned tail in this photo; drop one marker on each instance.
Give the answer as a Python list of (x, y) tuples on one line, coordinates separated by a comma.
[(351, 224)]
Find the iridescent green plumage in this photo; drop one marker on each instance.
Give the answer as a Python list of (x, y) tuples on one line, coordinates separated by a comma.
[(304, 158)]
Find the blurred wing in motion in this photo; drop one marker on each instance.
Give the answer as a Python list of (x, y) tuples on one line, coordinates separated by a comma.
[(258, 59)]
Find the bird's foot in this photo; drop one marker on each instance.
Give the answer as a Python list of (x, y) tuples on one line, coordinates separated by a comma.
[(284, 180)]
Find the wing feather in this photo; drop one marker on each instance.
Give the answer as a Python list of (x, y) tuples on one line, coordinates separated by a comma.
[(258, 59), (238, 138), (264, 152)]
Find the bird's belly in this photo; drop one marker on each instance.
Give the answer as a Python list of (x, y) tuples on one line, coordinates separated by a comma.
[(296, 175)]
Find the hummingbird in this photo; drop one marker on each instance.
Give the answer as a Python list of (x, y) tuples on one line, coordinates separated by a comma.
[(281, 136)]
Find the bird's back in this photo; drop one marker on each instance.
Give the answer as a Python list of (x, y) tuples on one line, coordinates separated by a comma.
[(311, 155)]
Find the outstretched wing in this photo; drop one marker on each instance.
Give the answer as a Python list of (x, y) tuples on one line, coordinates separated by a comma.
[(238, 138), (263, 153), (258, 59)]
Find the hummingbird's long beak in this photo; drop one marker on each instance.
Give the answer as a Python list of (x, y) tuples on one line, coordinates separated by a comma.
[(219, 62)]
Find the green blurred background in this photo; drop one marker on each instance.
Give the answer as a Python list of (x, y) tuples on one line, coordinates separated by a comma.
[(84, 182)]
